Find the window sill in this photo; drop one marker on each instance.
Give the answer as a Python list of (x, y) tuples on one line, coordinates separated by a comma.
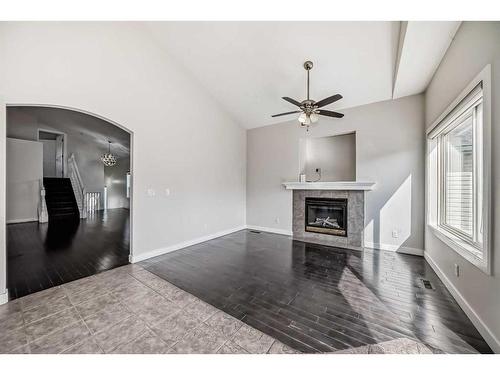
[(461, 248)]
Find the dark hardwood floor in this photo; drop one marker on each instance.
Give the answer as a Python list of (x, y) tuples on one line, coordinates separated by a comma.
[(40, 256), (318, 298)]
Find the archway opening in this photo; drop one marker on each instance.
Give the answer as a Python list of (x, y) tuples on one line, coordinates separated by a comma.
[(68, 196)]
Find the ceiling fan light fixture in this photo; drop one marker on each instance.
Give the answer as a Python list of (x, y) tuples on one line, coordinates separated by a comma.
[(314, 117), (305, 119), (302, 118)]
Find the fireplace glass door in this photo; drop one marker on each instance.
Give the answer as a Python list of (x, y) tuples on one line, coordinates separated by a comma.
[(327, 216)]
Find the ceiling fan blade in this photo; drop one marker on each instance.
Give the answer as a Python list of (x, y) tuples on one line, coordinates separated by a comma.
[(286, 113), (328, 100), (324, 112), (293, 101)]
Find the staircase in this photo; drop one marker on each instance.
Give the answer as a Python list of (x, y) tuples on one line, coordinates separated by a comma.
[(60, 199)]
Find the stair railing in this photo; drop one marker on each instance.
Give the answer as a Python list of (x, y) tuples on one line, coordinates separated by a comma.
[(93, 201), (43, 214), (78, 187)]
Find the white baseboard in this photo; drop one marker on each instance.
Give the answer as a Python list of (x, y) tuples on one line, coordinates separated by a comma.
[(17, 221), (395, 248), (270, 230), (488, 336), (4, 297), (164, 250)]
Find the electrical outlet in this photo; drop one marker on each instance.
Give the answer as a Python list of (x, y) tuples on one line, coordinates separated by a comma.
[(395, 233), (277, 220), (457, 270), (151, 192)]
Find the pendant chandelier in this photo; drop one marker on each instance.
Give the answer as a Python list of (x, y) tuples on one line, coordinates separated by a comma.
[(108, 158)]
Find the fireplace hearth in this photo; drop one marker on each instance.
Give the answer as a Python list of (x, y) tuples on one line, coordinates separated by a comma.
[(326, 216)]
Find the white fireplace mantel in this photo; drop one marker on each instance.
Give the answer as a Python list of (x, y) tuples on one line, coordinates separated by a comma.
[(334, 185)]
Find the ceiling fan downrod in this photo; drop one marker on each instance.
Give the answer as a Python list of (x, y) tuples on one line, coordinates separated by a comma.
[(308, 65)]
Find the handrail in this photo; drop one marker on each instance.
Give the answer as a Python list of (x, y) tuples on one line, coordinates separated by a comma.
[(75, 168), (80, 188)]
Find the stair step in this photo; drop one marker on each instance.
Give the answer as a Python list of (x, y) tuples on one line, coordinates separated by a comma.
[(62, 204), (66, 198), (62, 209), (60, 199), (57, 201), (64, 216)]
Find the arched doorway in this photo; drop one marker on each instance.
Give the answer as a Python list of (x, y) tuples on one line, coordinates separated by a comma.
[(68, 196)]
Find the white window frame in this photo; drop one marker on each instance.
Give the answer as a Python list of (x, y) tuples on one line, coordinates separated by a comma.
[(476, 249)]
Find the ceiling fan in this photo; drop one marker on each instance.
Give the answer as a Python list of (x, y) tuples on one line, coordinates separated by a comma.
[(309, 109)]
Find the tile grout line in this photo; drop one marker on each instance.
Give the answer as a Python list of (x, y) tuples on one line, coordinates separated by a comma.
[(86, 325), (243, 323), (120, 301), (73, 306), (55, 331), (148, 326)]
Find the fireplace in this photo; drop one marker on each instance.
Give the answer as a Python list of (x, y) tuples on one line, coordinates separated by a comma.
[(326, 216)]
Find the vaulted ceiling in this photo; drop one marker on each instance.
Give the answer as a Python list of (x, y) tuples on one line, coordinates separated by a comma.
[(248, 66)]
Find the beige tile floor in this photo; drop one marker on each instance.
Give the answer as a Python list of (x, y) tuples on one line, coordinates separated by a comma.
[(125, 310), (130, 310)]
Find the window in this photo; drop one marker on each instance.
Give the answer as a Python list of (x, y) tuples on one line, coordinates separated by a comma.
[(456, 179), (128, 184)]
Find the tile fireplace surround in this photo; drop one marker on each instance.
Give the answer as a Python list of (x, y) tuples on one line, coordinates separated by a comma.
[(355, 196)]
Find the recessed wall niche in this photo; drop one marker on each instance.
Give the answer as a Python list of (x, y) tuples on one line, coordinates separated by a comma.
[(334, 155)]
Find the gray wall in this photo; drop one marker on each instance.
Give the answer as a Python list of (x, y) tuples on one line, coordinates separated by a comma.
[(115, 179), (22, 125), (49, 157), (475, 45), (397, 167), (336, 156), (24, 172)]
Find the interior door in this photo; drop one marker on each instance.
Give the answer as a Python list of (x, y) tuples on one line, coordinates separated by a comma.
[(60, 155), (49, 157)]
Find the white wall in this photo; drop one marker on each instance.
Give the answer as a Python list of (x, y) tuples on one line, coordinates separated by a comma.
[(476, 45), (389, 151), (24, 172), (335, 156), (182, 139)]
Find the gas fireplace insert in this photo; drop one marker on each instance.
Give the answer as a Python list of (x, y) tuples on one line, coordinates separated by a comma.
[(326, 216)]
